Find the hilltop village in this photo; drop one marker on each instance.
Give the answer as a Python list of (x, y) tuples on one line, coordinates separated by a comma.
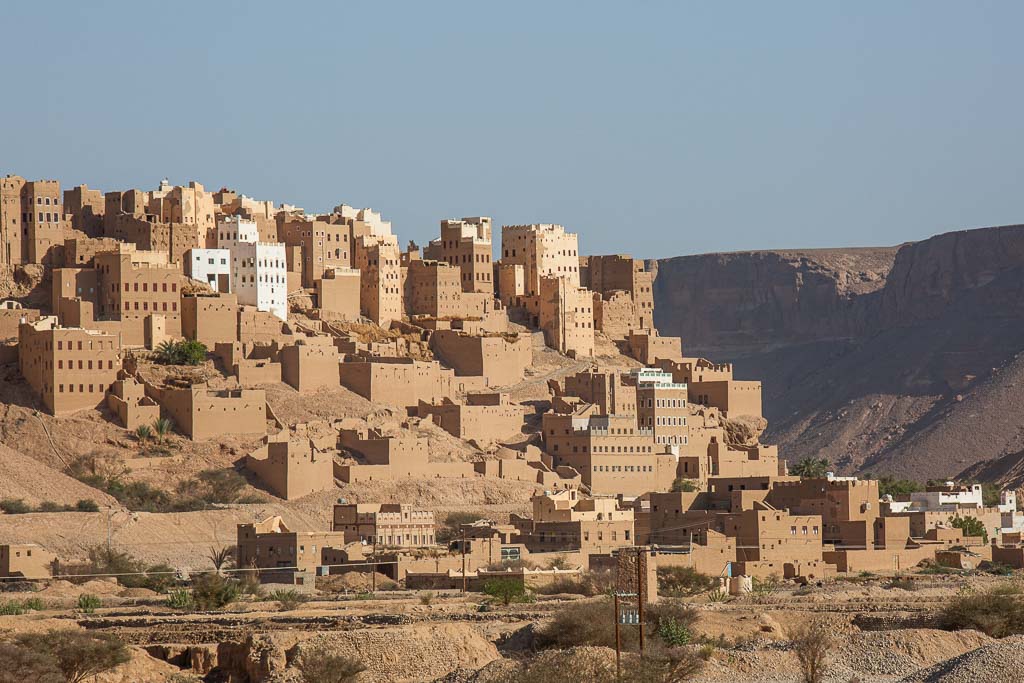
[(177, 313)]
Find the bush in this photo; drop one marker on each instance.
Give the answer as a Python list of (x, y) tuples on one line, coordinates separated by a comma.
[(11, 607), (159, 577), (180, 599), (970, 526), (812, 642), (213, 591), (34, 604), (18, 664), (89, 603), (15, 506), (762, 588), (426, 597), (679, 582), (287, 598), (673, 622), (903, 583), (998, 612), (189, 352), (584, 623), (76, 654), (85, 505), (449, 530), (320, 666), (684, 486), (506, 591)]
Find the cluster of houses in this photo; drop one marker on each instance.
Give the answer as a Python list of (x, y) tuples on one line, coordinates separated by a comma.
[(645, 455)]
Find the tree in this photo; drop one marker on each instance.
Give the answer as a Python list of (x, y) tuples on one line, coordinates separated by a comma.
[(18, 665), (888, 486), (162, 427), (143, 433), (222, 557), (189, 352), (812, 641), (811, 468), (78, 655), (970, 526), (683, 485), (450, 530), (213, 591), (320, 666), (505, 590)]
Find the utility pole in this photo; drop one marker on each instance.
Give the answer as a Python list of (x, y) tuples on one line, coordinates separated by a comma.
[(373, 567), (463, 561), (640, 599), (618, 639), (110, 513)]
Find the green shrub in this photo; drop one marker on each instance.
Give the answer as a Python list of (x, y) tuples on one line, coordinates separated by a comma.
[(287, 598), (86, 505), (89, 603), (78, 655), (970, 526), (810, 468), (50, 506), (506, 591), (998, 612), (15, 506), (19, 664), (188, 352), (426, 597), (762, 588), (718, 595), (678, 582), (34, 604), (11, 607), (684, 486), (180, 599), (159, 577), (213, 591)]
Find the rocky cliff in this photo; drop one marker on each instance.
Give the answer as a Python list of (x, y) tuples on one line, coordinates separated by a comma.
[(901, 360)]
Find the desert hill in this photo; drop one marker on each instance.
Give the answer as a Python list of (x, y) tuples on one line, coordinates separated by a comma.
[(900, 360)]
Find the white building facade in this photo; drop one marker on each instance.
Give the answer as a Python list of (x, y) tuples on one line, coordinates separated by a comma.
[(259, 275), (212, 266)]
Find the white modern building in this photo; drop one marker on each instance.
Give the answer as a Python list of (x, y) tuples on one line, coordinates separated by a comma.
[(259, 275), (212, 266)]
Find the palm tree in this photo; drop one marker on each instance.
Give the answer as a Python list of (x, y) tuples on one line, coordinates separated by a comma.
[(221, 557), (162, 426), (167, 353), (143, 433), (811, 468)]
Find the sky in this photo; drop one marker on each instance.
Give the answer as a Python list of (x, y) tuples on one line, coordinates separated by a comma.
[(650, 128)]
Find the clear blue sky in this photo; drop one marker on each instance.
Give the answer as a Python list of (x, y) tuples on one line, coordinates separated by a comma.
[(648, 127)]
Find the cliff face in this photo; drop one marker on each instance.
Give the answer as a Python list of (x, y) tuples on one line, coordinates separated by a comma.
[(753, 299), (900, 360)]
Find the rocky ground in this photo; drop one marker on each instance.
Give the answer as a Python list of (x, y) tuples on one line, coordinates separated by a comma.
[(880, 635)]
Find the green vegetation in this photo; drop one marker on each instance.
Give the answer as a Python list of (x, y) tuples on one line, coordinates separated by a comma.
[(180, 599), (998, 612), (681, 582), (210, 487), (449, 530), (684, 486), (129, 571), (888, 486), (62, 656), (213, 591), (17, 506), (287, 599), (762, 588), (426, 597), (320, 666), (506, 591), (810, 468), (187, 352), (970, 526), (16, 607), (89, 603)]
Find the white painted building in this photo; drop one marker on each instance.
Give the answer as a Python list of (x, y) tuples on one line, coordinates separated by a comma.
[(259, 275), (212, 266)]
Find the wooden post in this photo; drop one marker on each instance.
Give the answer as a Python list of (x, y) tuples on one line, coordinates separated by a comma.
[(618, 639), (463, 561), (373, 567), (640, 598)]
